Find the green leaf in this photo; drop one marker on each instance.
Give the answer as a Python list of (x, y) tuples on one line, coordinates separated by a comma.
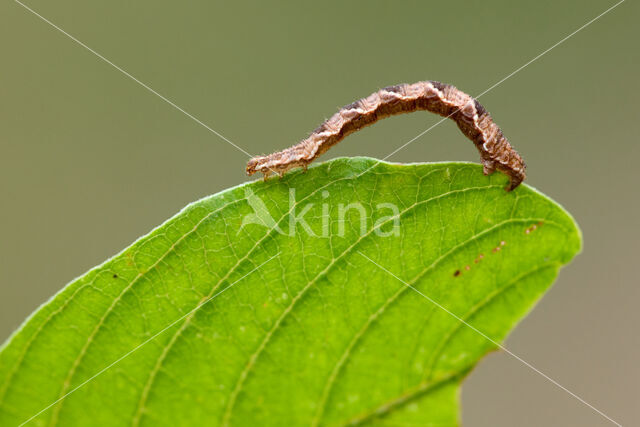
[(282, 321)]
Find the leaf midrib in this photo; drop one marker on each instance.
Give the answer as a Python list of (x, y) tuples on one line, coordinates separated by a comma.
[(332, 379), (253, 358), (240, 261)]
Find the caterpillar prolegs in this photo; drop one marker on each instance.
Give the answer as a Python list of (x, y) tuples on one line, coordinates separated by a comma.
[(445, 100)]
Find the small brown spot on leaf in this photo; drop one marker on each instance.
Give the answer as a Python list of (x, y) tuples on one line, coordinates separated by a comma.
[(532, 228), (457, 273), (115, 276)]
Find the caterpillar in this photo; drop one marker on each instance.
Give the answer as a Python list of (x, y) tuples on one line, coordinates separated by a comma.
[(445, 100)]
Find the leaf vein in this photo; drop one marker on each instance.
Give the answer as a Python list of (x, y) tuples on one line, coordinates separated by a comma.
[(331, 380), (294, 300)]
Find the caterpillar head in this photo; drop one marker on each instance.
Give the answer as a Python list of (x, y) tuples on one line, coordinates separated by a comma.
[(253, 165)]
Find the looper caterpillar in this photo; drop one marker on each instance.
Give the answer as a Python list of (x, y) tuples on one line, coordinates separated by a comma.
[(445, 100)]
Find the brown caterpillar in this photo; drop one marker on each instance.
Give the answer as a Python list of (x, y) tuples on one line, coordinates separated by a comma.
[(446, 100)]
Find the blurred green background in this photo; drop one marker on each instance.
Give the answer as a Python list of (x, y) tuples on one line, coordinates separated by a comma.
[(91, 160)]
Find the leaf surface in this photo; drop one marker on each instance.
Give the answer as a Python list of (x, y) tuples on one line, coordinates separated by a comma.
[(296, 302)]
